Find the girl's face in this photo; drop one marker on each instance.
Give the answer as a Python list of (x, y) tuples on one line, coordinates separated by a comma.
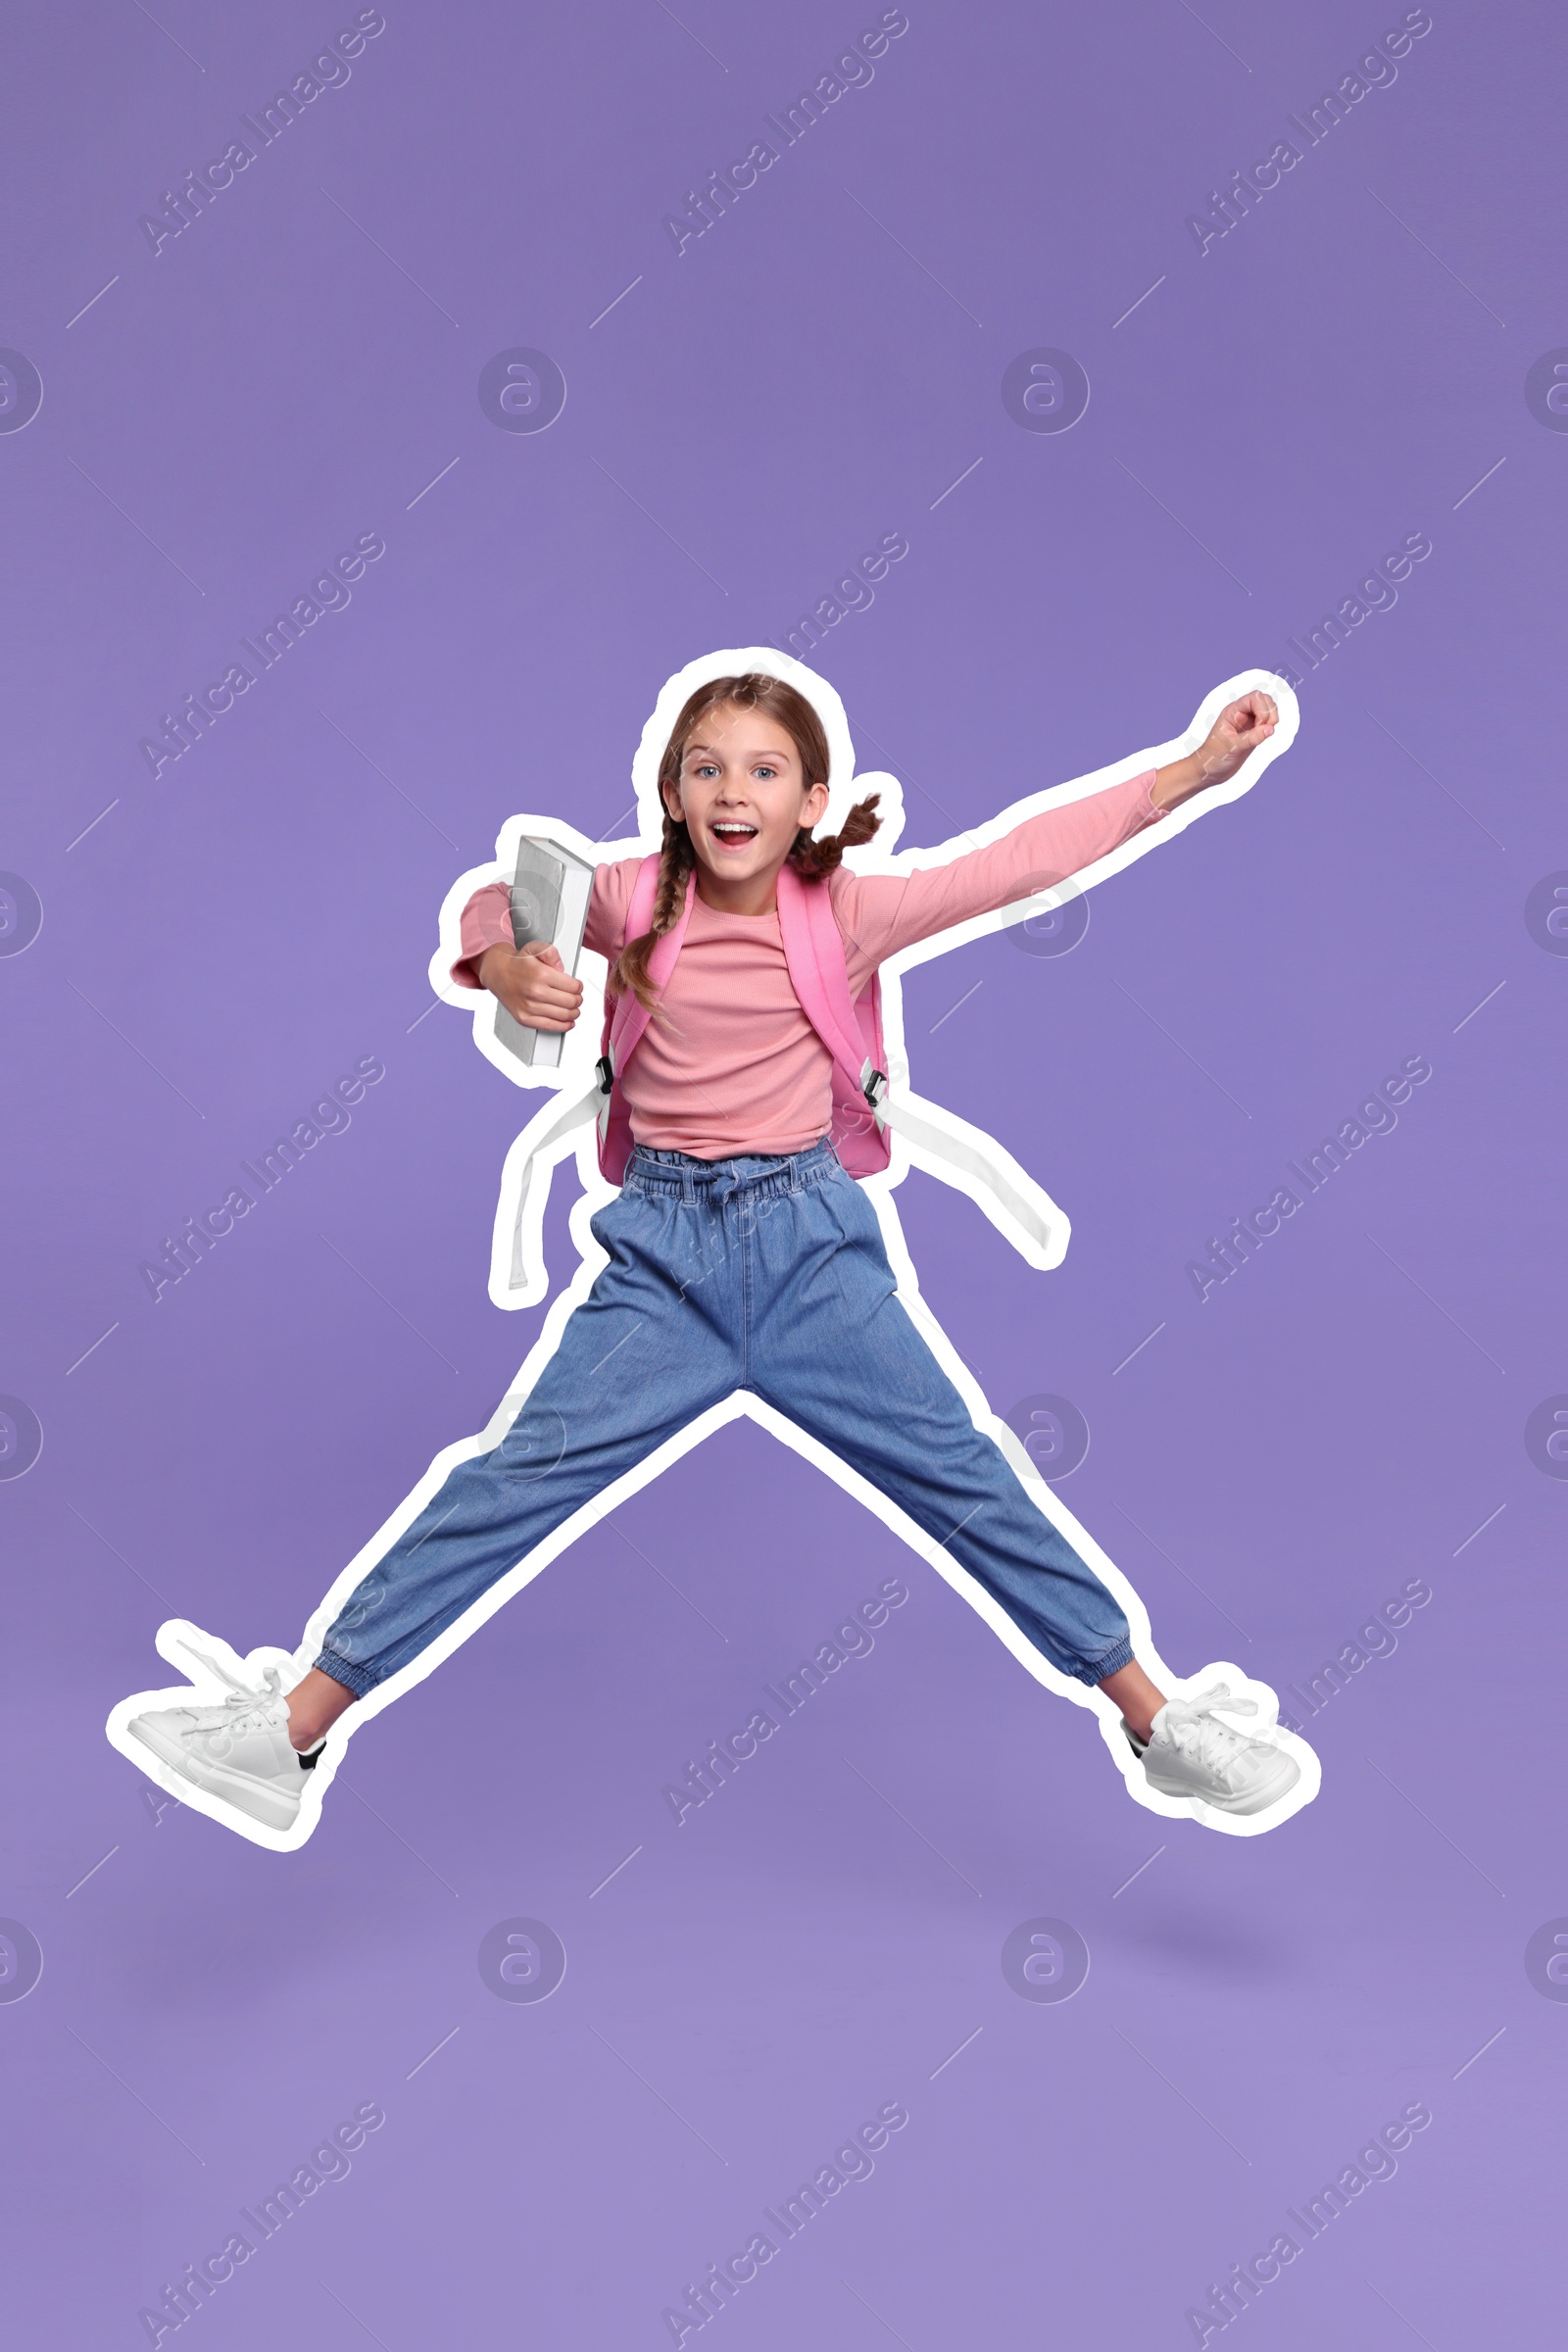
[(743, 795)]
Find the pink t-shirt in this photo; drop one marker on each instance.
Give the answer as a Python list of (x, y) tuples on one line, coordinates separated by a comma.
[(730, 1063)]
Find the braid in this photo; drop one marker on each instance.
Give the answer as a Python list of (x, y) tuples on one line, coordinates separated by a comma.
[(813, 860), (675, 861)]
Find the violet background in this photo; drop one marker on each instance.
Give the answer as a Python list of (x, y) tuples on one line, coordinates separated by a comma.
[(1340, 369)]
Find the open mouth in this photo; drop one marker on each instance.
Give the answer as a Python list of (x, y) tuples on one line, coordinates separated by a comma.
[(733, 833)]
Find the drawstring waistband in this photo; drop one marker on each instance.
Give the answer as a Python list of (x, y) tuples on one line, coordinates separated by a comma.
[(756, 1175)]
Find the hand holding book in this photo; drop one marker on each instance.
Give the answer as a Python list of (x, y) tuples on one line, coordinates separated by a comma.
[(538, 998), (532, 984)]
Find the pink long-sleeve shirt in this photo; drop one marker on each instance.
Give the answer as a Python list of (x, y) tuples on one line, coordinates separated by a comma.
[(731, 1063)]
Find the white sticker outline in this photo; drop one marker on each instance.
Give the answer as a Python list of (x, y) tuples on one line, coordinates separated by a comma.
[(581, 1049)]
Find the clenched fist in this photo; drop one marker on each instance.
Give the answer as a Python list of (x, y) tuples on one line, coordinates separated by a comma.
[(532, 984), (1239, 731)]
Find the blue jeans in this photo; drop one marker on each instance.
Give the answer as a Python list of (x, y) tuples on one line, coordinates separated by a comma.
[(767, 1274)]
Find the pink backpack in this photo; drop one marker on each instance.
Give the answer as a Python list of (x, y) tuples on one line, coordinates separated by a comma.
[(850, 1028)]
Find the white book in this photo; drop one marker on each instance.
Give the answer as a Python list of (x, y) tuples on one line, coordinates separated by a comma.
[(549, 895)]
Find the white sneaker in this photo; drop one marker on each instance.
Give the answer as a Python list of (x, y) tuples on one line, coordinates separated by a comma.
[(239, 1751), (1191, 1753)]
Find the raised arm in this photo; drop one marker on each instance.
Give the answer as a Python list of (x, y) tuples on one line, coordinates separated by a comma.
[(880, 913), (1237, 732)]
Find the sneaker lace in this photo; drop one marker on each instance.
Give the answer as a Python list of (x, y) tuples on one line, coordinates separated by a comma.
[(250, 1702), (1195, 1727)]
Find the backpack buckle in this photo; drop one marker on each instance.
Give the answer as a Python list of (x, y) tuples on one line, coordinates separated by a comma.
[(605, 1072), (875, 1087)]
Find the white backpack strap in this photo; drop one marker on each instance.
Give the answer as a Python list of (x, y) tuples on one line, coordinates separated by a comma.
[(975, 1164), (533, 1156), (943, 1145)]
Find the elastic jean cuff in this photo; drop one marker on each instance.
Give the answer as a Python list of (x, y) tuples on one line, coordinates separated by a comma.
[(358, 1679), (1111, 1663)]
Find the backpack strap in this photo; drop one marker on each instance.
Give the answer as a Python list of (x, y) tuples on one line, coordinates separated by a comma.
[(948, 1146), (549, 1132), (813, 949), (627, 1018)]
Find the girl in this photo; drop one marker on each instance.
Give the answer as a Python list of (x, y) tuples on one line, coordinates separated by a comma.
[(742, 1256)]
